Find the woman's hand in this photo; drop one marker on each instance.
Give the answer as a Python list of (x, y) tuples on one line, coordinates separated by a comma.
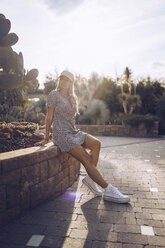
[(41, 143)]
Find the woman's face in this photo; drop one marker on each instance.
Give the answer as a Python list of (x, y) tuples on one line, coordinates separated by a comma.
[(64, 82)]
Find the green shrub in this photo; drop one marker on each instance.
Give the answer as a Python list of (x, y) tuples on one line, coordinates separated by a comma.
[(136, 120)]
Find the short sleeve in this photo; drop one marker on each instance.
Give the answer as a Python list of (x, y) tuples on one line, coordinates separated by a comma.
[(52, 99)]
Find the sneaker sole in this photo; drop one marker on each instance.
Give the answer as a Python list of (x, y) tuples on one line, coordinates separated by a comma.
[(89, 186), (108, 198)]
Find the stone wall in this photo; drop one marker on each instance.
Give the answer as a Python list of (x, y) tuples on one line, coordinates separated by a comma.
[(30, 176), (121, 130)]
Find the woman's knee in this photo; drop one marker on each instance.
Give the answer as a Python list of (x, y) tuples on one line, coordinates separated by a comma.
[(98, 144), (82, 155), (86, 159)]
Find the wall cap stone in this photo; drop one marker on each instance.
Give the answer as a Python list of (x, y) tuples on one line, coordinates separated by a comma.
[(29, 150)]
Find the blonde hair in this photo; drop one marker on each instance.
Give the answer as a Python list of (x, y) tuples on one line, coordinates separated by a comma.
[(70, 92)]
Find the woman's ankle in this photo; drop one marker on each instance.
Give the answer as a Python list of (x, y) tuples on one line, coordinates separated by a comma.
[(105, 186)]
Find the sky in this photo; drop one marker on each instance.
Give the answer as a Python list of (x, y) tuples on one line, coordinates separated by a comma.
[(86, 36)]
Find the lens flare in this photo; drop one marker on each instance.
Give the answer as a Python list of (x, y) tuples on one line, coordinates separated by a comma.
[(69, 195)]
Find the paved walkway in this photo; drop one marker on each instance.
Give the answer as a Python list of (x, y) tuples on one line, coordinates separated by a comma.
[(77, 219)]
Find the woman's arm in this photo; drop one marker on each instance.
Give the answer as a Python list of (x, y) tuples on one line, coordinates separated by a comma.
[(48, 122)]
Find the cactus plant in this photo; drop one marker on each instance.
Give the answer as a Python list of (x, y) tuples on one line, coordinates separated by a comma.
[(5, 26), (9, 40), (20, 64), (10, 81), (31, 74), (14, 80), (12, 74)]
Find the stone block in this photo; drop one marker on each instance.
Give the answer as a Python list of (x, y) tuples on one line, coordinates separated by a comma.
[(51, 187), (68, 162), (18, 161), (39, 193), (10, 177), (9, 165), (14, 212), (25, 199), (72, 172), (59, 177), (66, 172), (65, 184), (2, 198), (30, 176), (44, 170), (58, 189), (12, 195), (54, 167), (64, 157), (48, 153)]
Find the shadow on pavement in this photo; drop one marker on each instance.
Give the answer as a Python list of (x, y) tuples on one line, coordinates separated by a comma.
[(100, 216)]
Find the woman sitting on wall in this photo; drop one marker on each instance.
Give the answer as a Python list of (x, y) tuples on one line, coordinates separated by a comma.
[(62, 108)]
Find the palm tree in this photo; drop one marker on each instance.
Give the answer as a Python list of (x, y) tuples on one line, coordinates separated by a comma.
[(123, 99), (128, 101), (133, 102), (127, 73)]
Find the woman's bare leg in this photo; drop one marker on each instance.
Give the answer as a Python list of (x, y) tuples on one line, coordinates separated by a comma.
[(82, 155), (94, 145)]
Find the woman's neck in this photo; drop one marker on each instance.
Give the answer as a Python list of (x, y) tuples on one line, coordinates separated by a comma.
[(64, 93)]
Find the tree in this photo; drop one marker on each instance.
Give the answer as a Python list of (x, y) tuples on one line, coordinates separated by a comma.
[(160, 107), (127, 73), (149, 92), (108, 91)]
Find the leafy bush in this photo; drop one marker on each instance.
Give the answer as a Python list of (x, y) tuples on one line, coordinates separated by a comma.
[(136, 120), (17, 135), (116, 119)]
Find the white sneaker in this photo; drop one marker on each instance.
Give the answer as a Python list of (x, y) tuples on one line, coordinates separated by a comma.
[(92, 186), (113, 194)]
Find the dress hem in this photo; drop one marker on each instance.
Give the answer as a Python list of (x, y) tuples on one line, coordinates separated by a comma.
[(75, 145)]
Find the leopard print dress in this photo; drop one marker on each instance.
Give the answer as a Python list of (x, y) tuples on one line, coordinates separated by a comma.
[(65, 135)]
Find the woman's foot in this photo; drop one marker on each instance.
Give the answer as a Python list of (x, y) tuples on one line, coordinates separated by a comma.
[(92, 186), (113, 194)]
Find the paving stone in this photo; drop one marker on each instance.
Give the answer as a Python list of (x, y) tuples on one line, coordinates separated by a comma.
[(159, 231), (156, 240), (14, 246), (132, 246), (35, 240), (17, 239), (113, 217), (154, 223), (52, 241), (132, 238), (99, 244), (94, 235), (76, 243), (158, 216), (18, 228), (144, 216), (127, 228), (151, 246), (147, 230)]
